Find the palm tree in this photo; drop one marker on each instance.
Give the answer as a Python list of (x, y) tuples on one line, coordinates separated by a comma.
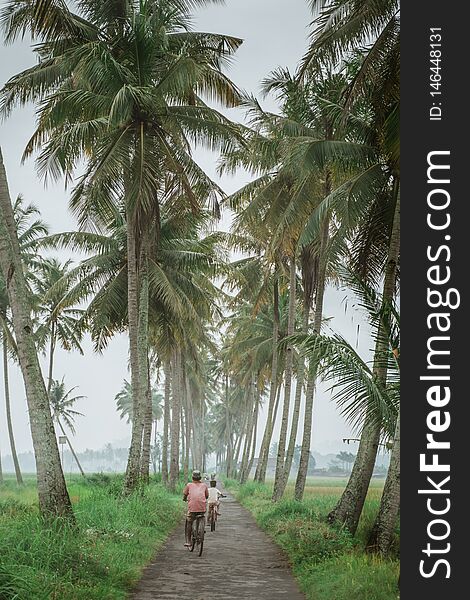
[(180, 290), (59, 319), (30, 228), (62, 403), (342, 27), (294, 152), (359, 394), (132, 116), (52, 492), (125, 407), (362, 395)]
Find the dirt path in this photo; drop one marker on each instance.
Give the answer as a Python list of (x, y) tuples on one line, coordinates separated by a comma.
[(239, 562)]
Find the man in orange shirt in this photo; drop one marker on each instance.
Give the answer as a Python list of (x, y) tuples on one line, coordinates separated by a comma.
[(195, 494)]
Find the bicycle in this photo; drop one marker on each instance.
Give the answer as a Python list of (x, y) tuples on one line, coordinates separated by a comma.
[(213, 514), (197, 533)]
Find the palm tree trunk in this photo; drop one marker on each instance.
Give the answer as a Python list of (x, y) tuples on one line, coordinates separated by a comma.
[(238, 448), (154, 453), (190, 416), (187, 446), (265, 458), (82, 472), (166, 421), (182, 434), (276, 406), (277, 493), (1, 470), (175, 421), (383, 531), (187, 430), (296, 412), (196, 449), (203, 437), (19, 477), (52, 491), (260, 474), (255, 430), (228, 431), (251, 408), (312, 371), (349, 508), (147, 434), (51, 357), (135, 451)]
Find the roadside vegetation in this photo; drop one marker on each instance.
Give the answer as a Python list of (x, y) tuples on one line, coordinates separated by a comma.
[(328, 562), (99, 558)]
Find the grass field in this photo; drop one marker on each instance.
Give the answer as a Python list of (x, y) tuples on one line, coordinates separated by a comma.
[(100, 559), (329, 564)]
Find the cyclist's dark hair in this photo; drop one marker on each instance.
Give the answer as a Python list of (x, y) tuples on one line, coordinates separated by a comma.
[(213, 482)]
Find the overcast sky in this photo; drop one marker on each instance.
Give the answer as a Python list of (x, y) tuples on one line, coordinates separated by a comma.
[(275, 34)]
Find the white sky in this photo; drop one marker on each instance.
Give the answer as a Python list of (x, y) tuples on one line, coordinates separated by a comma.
[(274, 34)]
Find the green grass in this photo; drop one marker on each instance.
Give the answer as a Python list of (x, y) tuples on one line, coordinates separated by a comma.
[(328, 562), (100, 559)]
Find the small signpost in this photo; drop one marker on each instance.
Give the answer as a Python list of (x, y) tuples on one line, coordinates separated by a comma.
[(62, 442)]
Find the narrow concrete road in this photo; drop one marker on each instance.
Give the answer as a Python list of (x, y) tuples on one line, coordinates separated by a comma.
[(239, 562)]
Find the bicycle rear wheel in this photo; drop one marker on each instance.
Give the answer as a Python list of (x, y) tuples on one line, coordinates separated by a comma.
[(194, 534), (201, 530)]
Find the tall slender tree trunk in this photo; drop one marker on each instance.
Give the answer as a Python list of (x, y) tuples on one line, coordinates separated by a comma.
[(312, 369), (52, 343), (1, 470), (154, 453), (52, 491), (175, 421), (277, 493), (192, 435), (148, 425), (72, 451), (11, 435), (260, 474), (187, 431), (133, 292), (255, 431), (238, 448), (296, 411), (276, 406), (228, 431), (383, 531), (203, 437), (166, 420), (349, 508), (251, 408), (182, 434), (196, 441)]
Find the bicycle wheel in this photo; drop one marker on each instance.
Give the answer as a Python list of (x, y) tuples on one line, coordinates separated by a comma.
[(193, 536), (201, 531)]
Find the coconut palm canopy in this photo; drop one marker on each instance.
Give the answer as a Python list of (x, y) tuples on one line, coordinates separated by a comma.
[(226, 329)]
